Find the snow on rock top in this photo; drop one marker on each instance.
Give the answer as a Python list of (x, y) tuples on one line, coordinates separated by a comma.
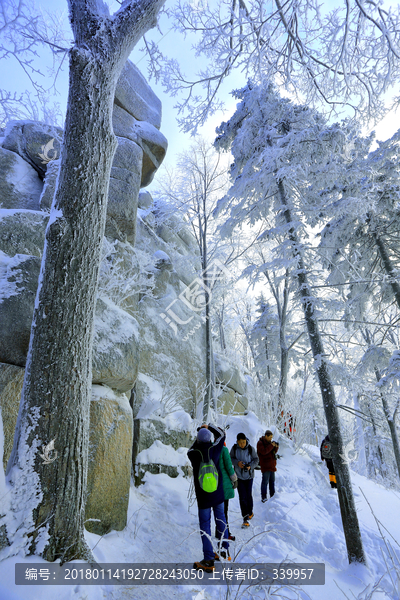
[(159, 453)]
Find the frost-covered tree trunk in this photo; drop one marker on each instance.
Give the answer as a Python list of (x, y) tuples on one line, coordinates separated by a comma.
[(387, 263), (391, 423), (378, 454), (281, 308), (360, 439), (209, 400), (348, 511), (56, 395), (251, 346), (210, 381)]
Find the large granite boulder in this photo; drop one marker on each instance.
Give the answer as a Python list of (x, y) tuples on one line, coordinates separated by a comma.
[(151, 140), (162, 273), (145, 200), (161, 458), (110, 461), (123, 191), (134, 94), (229, 374), (115, 347), (173, 239), (37, 143), (22, 232), (160, 444), (18, 284), (110, 448), (11, 381), (230, 402), (20, 186)]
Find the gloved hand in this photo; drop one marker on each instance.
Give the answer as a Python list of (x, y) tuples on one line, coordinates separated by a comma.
[(234, 479)]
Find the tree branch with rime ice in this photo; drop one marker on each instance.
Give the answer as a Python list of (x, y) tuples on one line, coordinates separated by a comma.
[(348, 56)]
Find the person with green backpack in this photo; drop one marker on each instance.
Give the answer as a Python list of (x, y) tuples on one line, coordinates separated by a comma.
[(204, 455)]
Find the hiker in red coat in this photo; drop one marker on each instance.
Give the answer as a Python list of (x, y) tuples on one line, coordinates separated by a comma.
[(266, 450)]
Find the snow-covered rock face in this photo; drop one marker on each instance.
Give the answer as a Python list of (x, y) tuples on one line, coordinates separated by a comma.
[(123, 192), (147, 137), (37, 143), (148, 260), (20, 186), (231, 384), (229, 374), (172, 352), (134, 95), (22, 232), (18, 283), (116, 339)]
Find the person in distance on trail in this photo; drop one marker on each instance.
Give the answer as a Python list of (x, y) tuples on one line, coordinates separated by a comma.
[(244, 459), (266, 450), (326, 455), (204, 455)]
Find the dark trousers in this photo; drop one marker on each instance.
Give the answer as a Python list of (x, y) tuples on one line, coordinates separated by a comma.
[(268, 478), (226, 505), (205, 529), (245, 487)]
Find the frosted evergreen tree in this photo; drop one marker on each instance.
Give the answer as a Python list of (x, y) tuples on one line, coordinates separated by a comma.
[(285, 156)]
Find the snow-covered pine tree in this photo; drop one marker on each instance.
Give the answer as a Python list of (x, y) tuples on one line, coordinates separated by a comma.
[(360, 245), (285, 155)]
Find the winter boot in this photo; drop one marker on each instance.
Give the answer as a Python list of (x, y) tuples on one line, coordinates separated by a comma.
[(204, 565), (245, 524)]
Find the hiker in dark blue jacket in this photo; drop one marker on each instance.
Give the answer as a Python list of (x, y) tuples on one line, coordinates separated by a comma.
[(204, 449)]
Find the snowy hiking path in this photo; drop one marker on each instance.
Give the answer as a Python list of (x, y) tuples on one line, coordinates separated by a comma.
[(301, 523)]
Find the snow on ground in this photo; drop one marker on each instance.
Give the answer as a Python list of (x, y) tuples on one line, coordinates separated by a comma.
[(301, 523)]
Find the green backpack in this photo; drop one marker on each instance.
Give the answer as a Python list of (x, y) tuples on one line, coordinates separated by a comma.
[(208, 476)]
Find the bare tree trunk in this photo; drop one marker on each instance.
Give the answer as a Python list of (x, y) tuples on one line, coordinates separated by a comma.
[(56, 395), (348, 511)]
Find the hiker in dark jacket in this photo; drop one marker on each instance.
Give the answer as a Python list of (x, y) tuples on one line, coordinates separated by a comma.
[(205, 449), (326, 455), (266, 450), (244, 459)]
